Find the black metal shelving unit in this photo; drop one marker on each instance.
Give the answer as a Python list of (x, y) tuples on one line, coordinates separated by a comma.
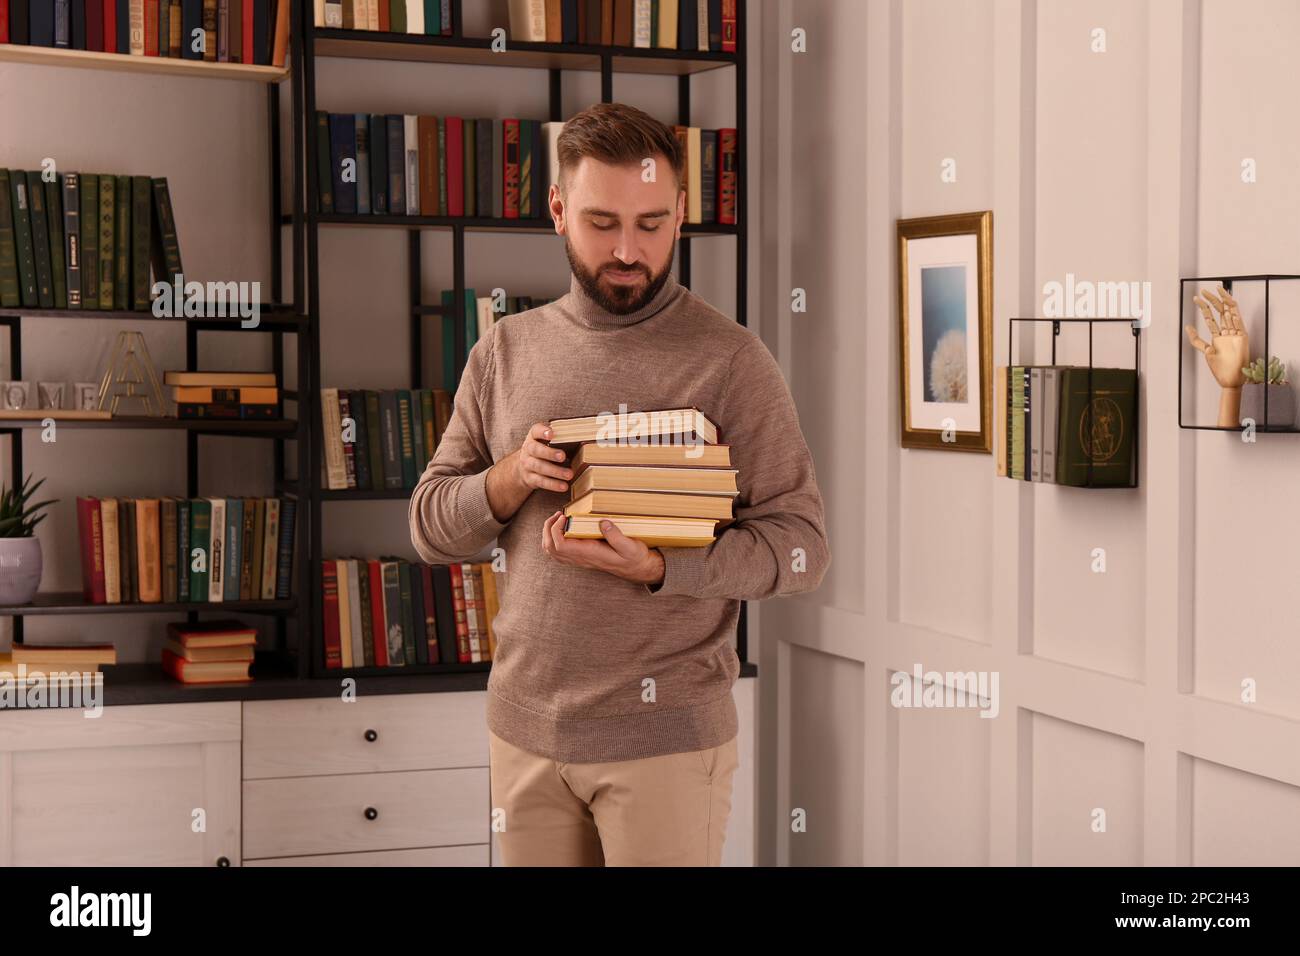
[(1137, 394), (311, 42), (1227, 281)]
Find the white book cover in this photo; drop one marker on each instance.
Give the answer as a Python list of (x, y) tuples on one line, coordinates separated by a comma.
[(412, 136), (528, 20), (270, 548), (332, 15), (702, 25), (217, 551), (414, 16), (372, 14), (336, 472), (641, 23)]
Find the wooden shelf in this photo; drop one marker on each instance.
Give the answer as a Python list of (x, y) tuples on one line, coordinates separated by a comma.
[(269, 318), (73, 602), (279, 428), (93, 60), (484, 224), (477, 51)]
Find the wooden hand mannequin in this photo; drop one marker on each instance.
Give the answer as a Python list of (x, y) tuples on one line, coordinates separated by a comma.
[(1227, 352)]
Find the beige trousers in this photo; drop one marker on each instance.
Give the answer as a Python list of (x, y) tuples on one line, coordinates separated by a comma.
[(656, 811)]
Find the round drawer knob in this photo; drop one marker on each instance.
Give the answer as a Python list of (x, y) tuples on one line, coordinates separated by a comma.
[(223, 861), (371, 813), (372, 735)]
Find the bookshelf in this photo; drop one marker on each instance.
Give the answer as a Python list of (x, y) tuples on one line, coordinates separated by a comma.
[(145, 683), (557, 60)]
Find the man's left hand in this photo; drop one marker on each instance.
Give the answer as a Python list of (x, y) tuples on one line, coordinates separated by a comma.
[(617, 554)]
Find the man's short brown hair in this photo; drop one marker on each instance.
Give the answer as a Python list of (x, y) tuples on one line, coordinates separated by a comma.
[(618, 134)]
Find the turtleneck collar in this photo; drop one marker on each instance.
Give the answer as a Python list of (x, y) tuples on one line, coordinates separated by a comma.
[(591, 314)]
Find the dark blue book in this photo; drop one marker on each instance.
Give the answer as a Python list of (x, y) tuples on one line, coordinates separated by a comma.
[(261, 32), (568, 21), (688, 24), (77, 17), (378, 165), (183, 558), (41, 22), (284, 555), (343, 153), (19, 22), (124, 26), (234, 550), (191, 20), (715, 25), (396, 165), (361, 442)]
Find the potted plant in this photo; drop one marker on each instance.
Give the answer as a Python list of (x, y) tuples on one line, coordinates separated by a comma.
[(20, 551), (1281, 397)]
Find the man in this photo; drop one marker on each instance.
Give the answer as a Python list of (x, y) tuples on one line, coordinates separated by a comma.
[(612, 727)]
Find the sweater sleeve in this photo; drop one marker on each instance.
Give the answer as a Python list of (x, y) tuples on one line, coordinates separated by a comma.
[(449, 513), (777, 545)]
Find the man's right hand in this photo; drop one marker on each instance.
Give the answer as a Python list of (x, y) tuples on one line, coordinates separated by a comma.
[(535, 465)]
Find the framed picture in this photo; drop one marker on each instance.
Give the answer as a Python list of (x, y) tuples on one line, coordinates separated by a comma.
[(945, 306)]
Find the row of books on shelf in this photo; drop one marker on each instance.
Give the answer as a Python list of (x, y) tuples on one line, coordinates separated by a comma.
[(180, 550), (1066, 424), (673, 487), (386, 612), (84, 240), (378, 440), (407, 165), (703, 25), (231, 31), (224, 396)]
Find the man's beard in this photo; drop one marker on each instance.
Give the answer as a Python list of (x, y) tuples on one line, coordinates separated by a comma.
[(618, 299)]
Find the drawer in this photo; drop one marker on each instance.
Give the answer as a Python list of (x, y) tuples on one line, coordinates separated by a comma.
[(328, 814), (295, 738), (426, 856)]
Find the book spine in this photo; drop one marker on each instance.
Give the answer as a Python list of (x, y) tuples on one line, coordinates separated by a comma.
[(246, 548), (405, 425), (88, 222), (90, 535), (393, 614), (54, 229), (150, 27), (332, 440), (233, 543), (165, 244), (408, 616), (200, 560), (210, 30), (227, 411), (728, 170), (183, 556), (270, 547), (378, 613), (128, 549), (346, 431), (441, 122), (1051, 418), (391, 440), (343, 143), (10, 296), (169, 546), (330, 614), (135, 13), (360, 445), (122, 245), (284, 560), (379, 163), (361, 148), (1035, 403), (396, 132), (141, 195), (462, 622), (728, 26), (149, 551), (26, 254), (430, 630), (510, 160), (324, 169), (258, 548), (41, 241), (217, 551), (111, 548), (412, 154), (367, 613), (107, 240)]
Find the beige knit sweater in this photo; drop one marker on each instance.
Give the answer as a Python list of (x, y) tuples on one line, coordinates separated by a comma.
[(589, 667)]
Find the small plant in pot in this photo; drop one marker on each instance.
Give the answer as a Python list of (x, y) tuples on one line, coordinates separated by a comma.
[(20, 550), (1281, 397)]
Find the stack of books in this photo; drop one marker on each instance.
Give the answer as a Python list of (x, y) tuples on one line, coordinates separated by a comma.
[(663, 477), (227, 396), (1066, 425), (386, 612), (213, 652), (55, 664)]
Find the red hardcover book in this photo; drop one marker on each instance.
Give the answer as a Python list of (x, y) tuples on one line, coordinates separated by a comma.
[(198, 672), (150, 27), (728, 26), (430, 625), (462, 621), (727, 172), (4, 21), (90, 533), (110, 26), (330, 614), (510, 167), (607, 21), (94, 25), (246, 50), (378, 626), (385, 19), (455, 166)]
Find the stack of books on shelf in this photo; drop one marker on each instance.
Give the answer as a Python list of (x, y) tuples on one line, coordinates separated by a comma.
[(55, 664), (424, 17), (663, 478), (386, 612), (407, 165), (84, 240), (380, 440), (701, 25), (179, 550), (212, 652), (1066, 424), (233, 31), (224, 396)]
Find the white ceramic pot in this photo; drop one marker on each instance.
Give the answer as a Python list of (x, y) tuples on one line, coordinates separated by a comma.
[(20, 569)]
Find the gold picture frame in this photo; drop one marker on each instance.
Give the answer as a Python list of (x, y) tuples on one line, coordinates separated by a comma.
[(945, 299)]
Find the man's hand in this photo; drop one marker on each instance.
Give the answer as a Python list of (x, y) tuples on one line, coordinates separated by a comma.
[(619, 555), (534, 465)]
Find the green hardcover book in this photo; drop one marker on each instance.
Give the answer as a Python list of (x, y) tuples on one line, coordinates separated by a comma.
[(654, 23), (107, 241), (26, 255), (10, 296), (54, 219), (41, 241), (470, 178), (201, 538), (408, 617), (426, 413), (417, 434), (166, 246), (141, 221), (122, 245), (90, 240), (374, 440), (1016, 463), (128, 550), (360, 438), (367, 625), (72, 237), (432, 17), (442, 166), (1095, 437), (324, 168), (183, 558), (406, 440), (396, 15)]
